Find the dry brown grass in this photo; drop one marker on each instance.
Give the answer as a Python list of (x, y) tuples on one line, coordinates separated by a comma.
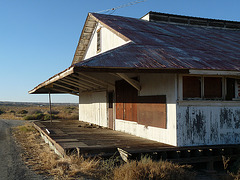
[(146, 168), (39, 157), (14, 112)]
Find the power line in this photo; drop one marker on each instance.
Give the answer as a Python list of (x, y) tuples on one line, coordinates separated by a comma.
[(122, 6)]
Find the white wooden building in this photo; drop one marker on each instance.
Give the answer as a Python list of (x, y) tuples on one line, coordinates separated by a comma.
[(169, 78)]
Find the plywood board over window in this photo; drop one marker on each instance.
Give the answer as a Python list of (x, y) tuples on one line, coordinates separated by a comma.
[(151, 111), (145, 110)]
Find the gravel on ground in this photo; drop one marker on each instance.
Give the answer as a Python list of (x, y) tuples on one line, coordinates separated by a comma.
[(11, 165)]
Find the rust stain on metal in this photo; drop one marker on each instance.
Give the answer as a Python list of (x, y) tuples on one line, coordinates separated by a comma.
[(164, 45)]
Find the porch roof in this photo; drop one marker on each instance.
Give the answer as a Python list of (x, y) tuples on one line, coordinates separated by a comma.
[(78, 78)]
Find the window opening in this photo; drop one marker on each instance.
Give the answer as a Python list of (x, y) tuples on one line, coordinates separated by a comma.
[(230, 88), (237, 88), (215, 88), (191, 87), (212, 87), (99, 40)]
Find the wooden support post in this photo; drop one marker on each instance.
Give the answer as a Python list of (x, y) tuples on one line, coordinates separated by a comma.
[(50, 106)]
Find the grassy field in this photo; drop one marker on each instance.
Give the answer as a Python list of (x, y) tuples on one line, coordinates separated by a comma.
[(39, 157), (37, 111)]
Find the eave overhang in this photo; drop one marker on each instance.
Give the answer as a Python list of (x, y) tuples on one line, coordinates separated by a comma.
[(76, 79)]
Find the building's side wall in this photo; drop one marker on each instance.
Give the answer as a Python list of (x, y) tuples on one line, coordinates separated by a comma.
[(109, 41), (155, 84), (208, 123), (93, 108)]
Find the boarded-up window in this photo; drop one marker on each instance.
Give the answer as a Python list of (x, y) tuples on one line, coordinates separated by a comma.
[(146, 110), (151, 111), (99, 40), (191, 87), (212, 87)]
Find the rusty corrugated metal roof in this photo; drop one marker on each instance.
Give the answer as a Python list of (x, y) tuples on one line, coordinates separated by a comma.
[(168, 45)]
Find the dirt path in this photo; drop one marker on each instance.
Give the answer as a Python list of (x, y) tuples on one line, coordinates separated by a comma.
[(11, 165)]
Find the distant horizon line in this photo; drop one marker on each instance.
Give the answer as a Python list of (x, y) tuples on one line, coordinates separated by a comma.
[(34, 102)]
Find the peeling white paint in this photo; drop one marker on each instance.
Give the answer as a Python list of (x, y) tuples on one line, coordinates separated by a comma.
[(208, 125)]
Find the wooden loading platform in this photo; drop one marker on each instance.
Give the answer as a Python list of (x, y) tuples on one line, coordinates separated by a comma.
[(73, 136)]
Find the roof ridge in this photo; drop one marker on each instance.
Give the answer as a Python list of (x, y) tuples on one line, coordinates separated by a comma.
[(191, 20)]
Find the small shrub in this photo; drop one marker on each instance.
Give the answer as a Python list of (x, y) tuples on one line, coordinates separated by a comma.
[(148, 169), (69, 109), (35, 111), (2, 111), (108, 166), (12, 112), (75, 116), (48, 117), (26, 128), (23, 111), (53, 112), (234, 169), (34, 117)]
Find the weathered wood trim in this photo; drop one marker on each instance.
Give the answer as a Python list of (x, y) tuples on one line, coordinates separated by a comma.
[(63, 91), (65, 81), (55, 78), (80, 83), (111, 29), (208, 103), (64, 87), (214, 72), (88, 22), (95, 79), (90, 82)]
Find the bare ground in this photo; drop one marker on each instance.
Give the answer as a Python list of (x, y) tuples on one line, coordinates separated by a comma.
[(11, 165)]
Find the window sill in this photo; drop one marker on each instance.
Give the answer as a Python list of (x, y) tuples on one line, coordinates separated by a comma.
[(201, 102)]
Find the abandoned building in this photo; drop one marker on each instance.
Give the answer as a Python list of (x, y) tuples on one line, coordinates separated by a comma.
[(169, 78)]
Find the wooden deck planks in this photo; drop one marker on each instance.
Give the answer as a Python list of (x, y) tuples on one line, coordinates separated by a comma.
[(76, 134)]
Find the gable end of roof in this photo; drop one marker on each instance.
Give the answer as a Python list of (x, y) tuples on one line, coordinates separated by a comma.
[(86, 35)]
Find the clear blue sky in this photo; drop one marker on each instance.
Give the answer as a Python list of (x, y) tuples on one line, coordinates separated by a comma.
[(38, 38)]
